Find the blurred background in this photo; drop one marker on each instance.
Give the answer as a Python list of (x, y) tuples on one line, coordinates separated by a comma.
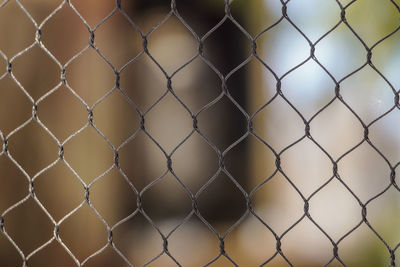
[(90, 84)]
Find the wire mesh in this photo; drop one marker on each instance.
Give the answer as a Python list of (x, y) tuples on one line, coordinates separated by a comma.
[(196, 129)]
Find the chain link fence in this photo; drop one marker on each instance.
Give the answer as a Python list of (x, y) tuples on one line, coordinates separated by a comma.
[(137, 134)]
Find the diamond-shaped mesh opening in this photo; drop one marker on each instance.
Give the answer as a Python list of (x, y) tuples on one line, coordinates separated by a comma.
[(112, 125), (205, 248), (211, 197), (168, 122), (317, 247), (199, 133), (250, 243), (119, 47), (39, 9), (90, 233), (130, 236), (385, 140), (36, 225), (50, 188), (94, 11), (278, 124), (65, 119), (373, 175), (385, 228), (56, 34), (341, 42), (298, 164), (289, 49), (99, 76), (195, 169), (33, 154), (317, 18), (174, 198), (371, 253), (97, 151), (343, 214), (13, 98), (382, 54), (201, 15), (196, 85), (15, 42), (223, 123), (376, 22), (313, 93), (14, 181), (226, 35), (8, 253), (36, 80), (171, 45), (279, 213), (143, 82), (366, 99), (327, 131), (106, 190)]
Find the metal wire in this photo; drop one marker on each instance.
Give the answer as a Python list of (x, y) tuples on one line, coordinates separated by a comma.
[(250, 211)]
